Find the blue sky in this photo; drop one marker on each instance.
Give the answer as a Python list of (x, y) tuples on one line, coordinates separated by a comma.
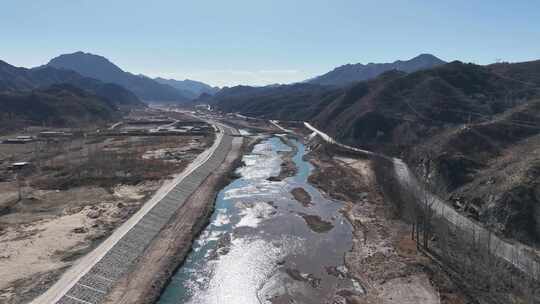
[(255, 42)]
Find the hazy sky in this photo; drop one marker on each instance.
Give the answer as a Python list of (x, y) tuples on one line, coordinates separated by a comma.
[(228, 42)]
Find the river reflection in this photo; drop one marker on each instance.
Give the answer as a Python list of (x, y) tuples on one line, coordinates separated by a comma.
[(259, 247)]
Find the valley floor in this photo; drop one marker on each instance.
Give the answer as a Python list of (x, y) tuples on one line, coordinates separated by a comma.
[(72, 199), (49, 229)]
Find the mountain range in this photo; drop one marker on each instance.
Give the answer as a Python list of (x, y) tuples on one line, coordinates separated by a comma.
[(21, 79), (56, 97), (82, 88), (101, 68), (147, 89), (349, 73)]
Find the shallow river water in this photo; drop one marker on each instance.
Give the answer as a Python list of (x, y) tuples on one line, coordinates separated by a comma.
[(259, 248)]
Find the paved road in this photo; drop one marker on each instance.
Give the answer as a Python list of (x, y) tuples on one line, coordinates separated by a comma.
[(276, 123), (331, 140), (114, 126), (522, 257), (89, 280)]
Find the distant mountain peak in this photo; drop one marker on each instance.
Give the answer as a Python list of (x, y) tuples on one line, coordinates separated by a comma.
[(146, 88), (101, 68), (195, 88), (82, 54), (427, 55), (349, 73), (89, 65)]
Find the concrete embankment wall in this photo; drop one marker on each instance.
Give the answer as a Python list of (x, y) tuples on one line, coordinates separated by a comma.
[(96, 283)]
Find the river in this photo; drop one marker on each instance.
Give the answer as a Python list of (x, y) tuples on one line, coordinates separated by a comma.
[(262, 245)]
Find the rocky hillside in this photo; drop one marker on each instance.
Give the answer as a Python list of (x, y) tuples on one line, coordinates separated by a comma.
[(59, 105), (393, 110), (349, 73), (101, 68), (20, 79), (398, 110), (490, 170)]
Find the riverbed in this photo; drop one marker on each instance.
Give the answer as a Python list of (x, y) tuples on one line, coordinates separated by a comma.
[(263, 246)]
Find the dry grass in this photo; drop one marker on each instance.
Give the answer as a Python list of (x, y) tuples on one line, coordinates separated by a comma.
[(78, 190)]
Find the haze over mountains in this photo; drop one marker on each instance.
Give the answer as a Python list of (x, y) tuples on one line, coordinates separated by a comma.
[(95, 71), (349, 73), (192, 88), (288, 98)]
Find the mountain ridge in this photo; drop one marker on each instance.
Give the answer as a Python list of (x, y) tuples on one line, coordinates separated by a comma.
[(349, 73), (101, 68), (14, 78), (196, 88), (146, 88)]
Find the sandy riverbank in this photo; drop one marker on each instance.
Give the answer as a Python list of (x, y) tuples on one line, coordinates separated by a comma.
[(287, 167), (383, 258)]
